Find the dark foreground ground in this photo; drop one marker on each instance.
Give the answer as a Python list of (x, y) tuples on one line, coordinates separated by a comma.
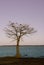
[(21, 61)]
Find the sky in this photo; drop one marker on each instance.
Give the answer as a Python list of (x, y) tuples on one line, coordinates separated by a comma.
[(29, 12)]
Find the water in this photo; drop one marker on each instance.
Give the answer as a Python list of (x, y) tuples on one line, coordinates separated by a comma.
[(25, 51)]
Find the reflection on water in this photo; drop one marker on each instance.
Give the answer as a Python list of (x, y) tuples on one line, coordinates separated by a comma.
[(26, 51)]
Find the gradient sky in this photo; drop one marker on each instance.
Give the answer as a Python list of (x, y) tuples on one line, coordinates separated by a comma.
[(23, 11)]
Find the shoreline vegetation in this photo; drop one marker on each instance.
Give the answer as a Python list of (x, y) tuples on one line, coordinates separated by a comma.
[(21, 61)]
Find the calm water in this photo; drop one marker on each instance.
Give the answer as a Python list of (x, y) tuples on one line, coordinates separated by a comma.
[(26, 51)]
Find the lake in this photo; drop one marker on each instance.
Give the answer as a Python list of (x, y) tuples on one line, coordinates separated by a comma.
[(25, 51)]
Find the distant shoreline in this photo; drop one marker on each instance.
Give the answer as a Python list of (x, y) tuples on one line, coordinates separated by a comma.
[(19, 45)]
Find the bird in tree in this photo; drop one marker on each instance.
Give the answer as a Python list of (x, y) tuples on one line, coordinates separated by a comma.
[(17, 31)]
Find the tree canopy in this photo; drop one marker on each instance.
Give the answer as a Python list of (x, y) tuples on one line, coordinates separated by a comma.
[(16, 31)]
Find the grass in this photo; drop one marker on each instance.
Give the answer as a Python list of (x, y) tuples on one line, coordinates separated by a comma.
[(21, 61)]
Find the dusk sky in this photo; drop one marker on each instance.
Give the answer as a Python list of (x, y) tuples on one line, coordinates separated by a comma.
[(29, 12)]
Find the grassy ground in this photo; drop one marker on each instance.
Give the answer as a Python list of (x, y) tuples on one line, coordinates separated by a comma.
[(21, 61)]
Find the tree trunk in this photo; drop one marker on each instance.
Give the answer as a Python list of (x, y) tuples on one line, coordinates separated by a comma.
[(17, 50)]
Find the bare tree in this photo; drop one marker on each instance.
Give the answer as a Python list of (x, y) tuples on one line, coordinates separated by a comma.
[(16, 31)]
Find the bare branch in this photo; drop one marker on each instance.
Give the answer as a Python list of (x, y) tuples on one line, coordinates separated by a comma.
[(16, 31)]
